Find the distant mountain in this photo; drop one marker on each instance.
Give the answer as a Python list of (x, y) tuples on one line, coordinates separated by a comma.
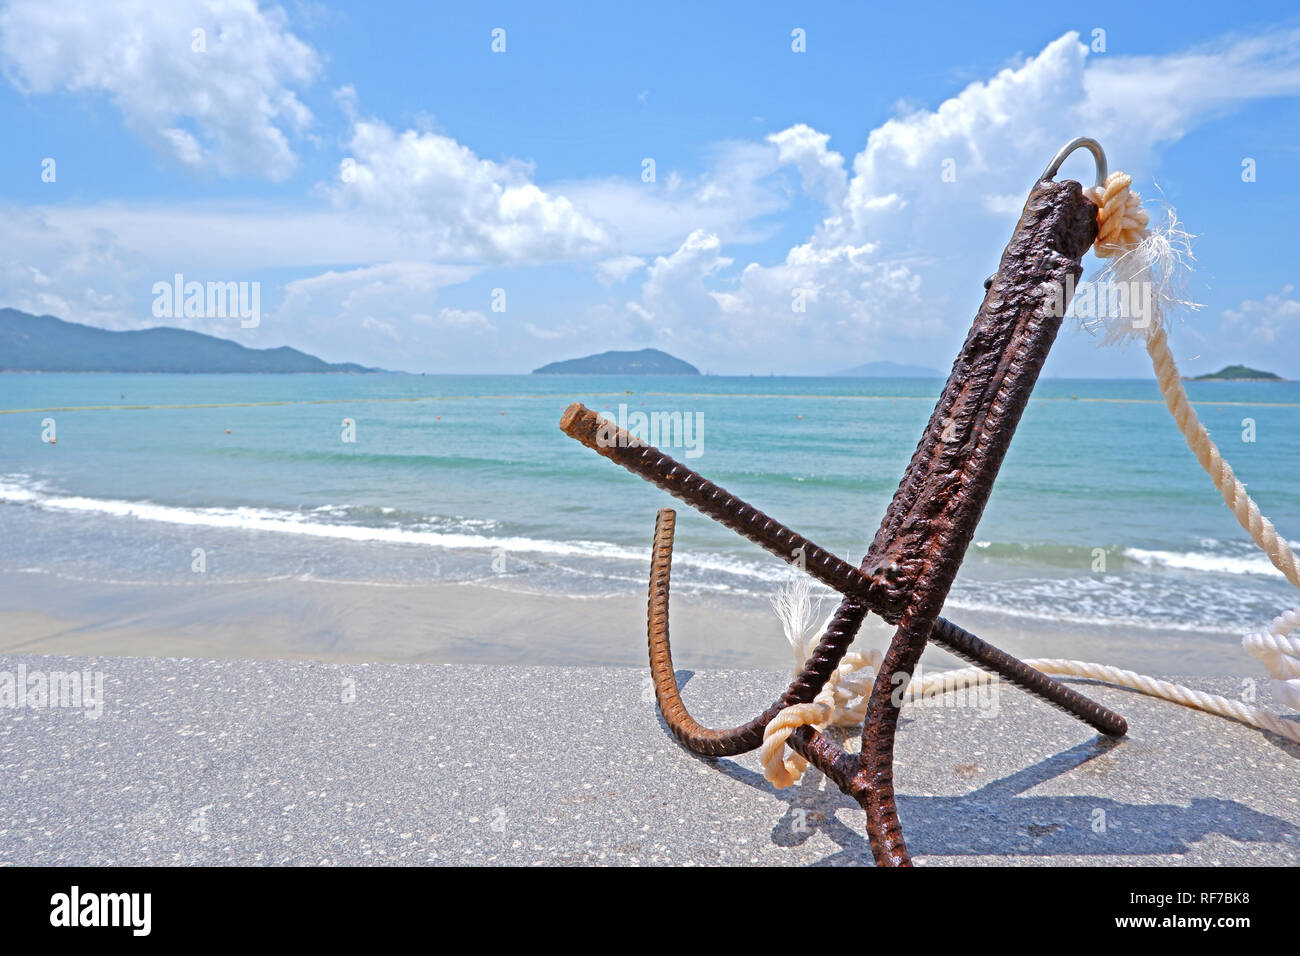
[(42, 343), (1238, 373), (888, 370), (644, 362)]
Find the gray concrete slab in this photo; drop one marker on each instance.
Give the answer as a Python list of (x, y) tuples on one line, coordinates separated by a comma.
[(282, 762)]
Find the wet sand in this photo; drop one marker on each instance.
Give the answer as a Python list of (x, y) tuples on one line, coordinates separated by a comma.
[(478, 624)]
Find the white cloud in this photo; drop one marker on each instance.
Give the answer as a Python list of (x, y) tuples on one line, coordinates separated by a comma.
[(1000, 133), (371, 324), (818, 302), (227, 238), (1141, 102), (357, 289), (894, 262), (230, 108), (735, 192), (458, 205), (546, 335), (822, 169), (1263, 321), (461, 319), (380, 315), (901, 251), (89, 277), (674, 285), (612, 271)]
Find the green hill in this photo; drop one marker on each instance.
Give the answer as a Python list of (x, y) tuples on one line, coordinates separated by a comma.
[(42, 343), (1238, 373), (644, 362)]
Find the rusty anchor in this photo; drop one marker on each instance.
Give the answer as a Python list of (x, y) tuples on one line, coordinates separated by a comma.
[(922, 540)]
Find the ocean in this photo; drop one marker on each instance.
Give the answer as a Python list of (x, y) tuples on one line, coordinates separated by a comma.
[(1100, 514)]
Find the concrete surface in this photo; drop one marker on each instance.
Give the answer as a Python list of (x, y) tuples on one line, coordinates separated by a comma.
[(283, 762)]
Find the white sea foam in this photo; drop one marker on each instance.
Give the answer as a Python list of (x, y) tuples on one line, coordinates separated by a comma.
[(1208, 561), (15, 490), (1162, 594)]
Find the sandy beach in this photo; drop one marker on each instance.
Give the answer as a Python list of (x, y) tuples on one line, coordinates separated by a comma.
[(444, 623)]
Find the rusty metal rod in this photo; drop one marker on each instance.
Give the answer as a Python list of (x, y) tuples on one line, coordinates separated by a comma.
[(618, 445), (749, 735), (650, 463), (982, 654)]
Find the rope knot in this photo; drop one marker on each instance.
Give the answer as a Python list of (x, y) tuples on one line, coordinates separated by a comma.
[(1121, 220)]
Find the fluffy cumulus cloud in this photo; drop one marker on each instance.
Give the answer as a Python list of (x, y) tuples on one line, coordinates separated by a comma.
[(822, 169), (675, 284), (731, 198), (906, 239), (459, 206), (211, 83), (618, 269)]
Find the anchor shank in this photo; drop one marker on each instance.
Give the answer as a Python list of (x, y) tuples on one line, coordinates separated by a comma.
[(934, 513), (930, 522)]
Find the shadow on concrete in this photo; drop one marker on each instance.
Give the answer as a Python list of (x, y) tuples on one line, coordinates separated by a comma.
[(997, 819)]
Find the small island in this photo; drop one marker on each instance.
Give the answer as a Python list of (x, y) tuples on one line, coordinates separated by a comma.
[(644, 362), (1238, 373)]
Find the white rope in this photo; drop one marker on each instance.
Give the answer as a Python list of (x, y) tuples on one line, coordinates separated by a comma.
[(843, 700), (1158, 257), (1137, 254)]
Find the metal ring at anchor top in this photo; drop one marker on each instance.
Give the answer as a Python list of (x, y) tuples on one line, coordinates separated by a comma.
[(1079, 142)]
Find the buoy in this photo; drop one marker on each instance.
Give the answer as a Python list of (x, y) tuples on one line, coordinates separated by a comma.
[(227, 431), (439, 417), (800, 418)]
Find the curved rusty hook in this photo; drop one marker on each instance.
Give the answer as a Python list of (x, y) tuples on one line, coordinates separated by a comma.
[(749, 735)]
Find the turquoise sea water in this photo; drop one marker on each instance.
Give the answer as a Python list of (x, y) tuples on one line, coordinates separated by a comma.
[(439, 484)]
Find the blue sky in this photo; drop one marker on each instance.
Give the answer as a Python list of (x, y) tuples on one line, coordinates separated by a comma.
[(381, 171)]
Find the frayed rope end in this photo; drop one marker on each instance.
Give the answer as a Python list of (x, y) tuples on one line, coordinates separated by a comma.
[(1145, 274)]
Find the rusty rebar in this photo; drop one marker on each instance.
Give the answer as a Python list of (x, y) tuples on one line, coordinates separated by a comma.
[(652, 464), (620, 446), (970, 648), (749, 735)]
